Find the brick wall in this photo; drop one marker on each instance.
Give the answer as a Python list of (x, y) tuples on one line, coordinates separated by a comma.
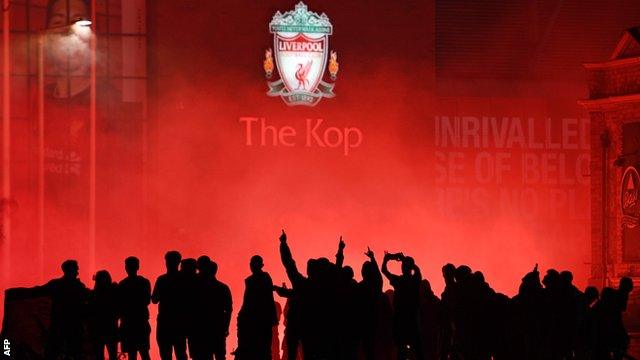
[(621, 79)]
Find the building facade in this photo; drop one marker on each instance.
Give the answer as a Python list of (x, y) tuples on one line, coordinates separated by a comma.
[(614, 110)]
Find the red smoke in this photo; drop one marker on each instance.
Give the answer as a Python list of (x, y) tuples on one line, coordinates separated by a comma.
[(208, 192)]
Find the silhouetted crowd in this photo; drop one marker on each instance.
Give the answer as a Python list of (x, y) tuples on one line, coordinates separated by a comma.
[(329, 315)]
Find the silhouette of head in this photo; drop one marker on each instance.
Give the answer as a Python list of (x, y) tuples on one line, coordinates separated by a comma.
[(530, 283), (132, 265), (172, 260), (425, 288), (368, 270), (407, 265), (256, 264), (312, 268), (566, 277), (214, 268), (189, 266), (102, 279), (478, 277), (347, 273), (463, 273), (324, 266), (626, 284), (448, 273), (204, 264), (607, 297), (591, 294), (551, 279), (70, 269)]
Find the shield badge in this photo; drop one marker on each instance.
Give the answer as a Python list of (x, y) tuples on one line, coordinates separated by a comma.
[(301, 51), (629, 196)]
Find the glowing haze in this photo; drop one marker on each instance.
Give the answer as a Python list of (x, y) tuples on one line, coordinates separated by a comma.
[(399, 160)]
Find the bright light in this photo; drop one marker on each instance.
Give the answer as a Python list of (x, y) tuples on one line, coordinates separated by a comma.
[(83, 22)]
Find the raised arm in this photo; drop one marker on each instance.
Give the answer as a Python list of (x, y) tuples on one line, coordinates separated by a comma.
[(416, 272), (340, 253), (378, 276), (283, 291), (385, 270), (287, 261), (27, 293)]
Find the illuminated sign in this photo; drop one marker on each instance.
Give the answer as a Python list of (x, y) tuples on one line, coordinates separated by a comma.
[(301, 51), (629, 197)]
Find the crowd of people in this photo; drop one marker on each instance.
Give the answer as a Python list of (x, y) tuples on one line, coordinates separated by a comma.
[(329, 315)]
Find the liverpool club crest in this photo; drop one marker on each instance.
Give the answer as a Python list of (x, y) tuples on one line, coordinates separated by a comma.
[(301, 51)]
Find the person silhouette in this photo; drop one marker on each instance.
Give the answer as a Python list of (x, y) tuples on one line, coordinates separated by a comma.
[(275, 336), (189, 292), (170, 332), (199, 348), (103, 321), (569, 298), (222, 307), (406, 305), (294, 317), (68, 306), (448, 302), (134, 296), (213, 309), (347, 312), (588, 334), (292, 323), (555, 337), (370, 299), (430, 320), (257, 315), (309, 312), (619, 343)]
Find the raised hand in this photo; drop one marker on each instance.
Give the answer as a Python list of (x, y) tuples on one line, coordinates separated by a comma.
[(283, 236), (341, 244), (369, 253), (393, 256), (276, 287)]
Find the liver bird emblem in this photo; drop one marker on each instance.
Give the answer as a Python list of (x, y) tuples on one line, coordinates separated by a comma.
[(333, 65), (301, 75), (267, 64)]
